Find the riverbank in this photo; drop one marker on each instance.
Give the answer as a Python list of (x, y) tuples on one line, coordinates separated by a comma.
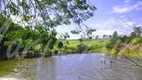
[(99, 46), (130, 50), (94, 46)]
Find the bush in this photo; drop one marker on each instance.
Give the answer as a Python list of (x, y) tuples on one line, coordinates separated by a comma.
[(136, 40), (48, 52), (60, 44), (111, 43), (70, 49), (83, 47), (123, 39)]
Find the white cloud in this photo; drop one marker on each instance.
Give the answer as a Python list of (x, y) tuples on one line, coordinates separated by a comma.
[(102, 32), (127, 7), (127, 1), (105, 25), (109, 26)]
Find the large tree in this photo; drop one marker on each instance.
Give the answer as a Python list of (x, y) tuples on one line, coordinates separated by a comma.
[(115, 34), (50, 12), (133, 34), (138, 31)]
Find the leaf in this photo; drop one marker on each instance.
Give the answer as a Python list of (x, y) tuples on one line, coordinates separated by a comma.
[(63, 5), (92, 8), (77, 1)]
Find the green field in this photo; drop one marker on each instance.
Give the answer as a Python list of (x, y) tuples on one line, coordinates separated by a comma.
[(96, 45)]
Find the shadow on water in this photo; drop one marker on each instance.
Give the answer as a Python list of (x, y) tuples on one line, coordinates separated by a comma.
[(71, 67)]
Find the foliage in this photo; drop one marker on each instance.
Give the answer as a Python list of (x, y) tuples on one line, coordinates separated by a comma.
[(70, 49), (51, 12), (6, 27), (133, 34), (60, 45), (125, 39), (64, 36), (82, 48), (48, 52), (46, 37), (25, 37), (104, 36), (77, 32), (110, 36), (117, 42), (111, 43), (80, 40), (97, 37), (136, 40), (138, 31), (48, 14), (88, 34), (115, 35)]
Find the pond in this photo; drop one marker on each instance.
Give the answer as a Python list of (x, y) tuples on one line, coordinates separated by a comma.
[(95, 66)]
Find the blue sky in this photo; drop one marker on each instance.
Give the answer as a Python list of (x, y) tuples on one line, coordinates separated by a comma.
[(111, 15)]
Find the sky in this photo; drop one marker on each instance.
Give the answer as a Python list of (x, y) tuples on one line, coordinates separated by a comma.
[(110, 16)]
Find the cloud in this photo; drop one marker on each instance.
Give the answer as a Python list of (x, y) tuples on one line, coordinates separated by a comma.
[(112, 24), (127, 7), (105, 24), (102, 32), (127, 1)]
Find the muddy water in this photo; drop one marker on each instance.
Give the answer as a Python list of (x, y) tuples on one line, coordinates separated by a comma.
[(72, 67)]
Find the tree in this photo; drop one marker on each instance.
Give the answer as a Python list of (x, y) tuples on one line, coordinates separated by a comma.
[(80, 40), (83, 48), (51, 12), (46, 36), (110, 36), (133, 34), (104, 36), (7, 26), (48, 13), (90, 33), (115, 34), (97, 37), (60, 44), (138, 31)]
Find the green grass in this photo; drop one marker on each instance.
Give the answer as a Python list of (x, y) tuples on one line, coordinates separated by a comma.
[(96, 45), (101, 42), (113, 52)]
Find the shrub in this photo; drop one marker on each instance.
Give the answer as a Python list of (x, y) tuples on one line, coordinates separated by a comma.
[(125, 39), (48, 52), (83, 47), (113, 42), (70, 49), (60, 44), (136, 40)]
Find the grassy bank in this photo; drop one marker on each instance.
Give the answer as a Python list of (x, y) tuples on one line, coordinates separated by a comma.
[(129, 50), (98, 45)]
